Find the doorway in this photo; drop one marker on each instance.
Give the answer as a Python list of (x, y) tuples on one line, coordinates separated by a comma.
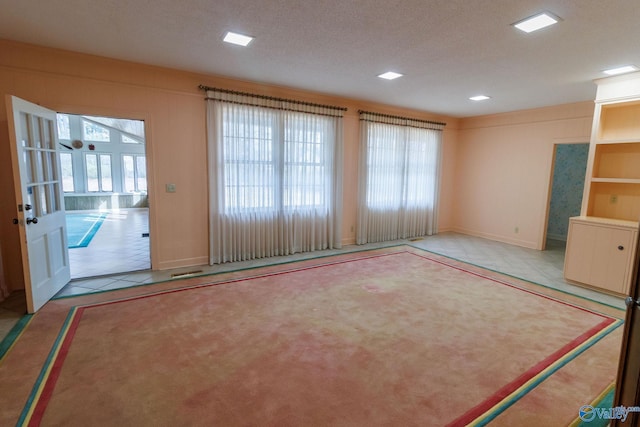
[(103, 165), (567, 186)]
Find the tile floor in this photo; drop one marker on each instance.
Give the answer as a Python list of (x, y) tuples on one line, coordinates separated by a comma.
[(542, 267), (117, 247)]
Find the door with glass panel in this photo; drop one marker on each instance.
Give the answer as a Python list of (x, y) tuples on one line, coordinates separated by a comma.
[(39, 200)]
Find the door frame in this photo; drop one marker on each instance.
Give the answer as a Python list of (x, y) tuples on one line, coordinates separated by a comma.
[(542, 239), (123, 113), (80, 172), (147, 118)]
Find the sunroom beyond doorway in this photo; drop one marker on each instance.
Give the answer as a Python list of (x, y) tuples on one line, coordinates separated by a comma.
[(103, 164)]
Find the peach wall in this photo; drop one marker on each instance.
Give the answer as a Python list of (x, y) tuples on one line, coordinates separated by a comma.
[(503, 170), (174, 113)]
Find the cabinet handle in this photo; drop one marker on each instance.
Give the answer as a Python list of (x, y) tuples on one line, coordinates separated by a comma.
[(620, 248)]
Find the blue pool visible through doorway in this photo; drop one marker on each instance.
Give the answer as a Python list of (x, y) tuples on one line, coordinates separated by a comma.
[(82, 227)]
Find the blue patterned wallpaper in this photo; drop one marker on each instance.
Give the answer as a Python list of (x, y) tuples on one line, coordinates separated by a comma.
[(566, 191)]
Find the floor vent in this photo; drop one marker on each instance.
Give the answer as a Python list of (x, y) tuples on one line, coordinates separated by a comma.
[(188, 273), (415, 239)]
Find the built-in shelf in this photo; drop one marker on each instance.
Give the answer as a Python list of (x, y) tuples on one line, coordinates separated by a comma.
[(601, 243), (617, 141), (616, 180)]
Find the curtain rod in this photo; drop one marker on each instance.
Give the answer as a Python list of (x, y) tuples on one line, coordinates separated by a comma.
[(270, 98), (389, 116)]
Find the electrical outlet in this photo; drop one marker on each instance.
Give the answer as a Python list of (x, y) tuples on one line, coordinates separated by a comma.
[(613, 199), (516, 230), (171, 188)]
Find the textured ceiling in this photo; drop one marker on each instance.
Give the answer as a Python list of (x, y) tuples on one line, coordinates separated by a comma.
[(447, 49)]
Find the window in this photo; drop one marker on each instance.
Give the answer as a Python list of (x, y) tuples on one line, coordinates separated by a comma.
[(64, 132), (399, 173), (255, 176), (141, 173), (134, 173), (94, 132), (400, 163), (249, 161), (128, 140), (305, 171), (275, 176), (98, 167), (66, 163)]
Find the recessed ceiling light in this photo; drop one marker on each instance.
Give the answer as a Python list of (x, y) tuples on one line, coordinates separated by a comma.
[(235, 38), (480, 98), (390, 75), (621, 70), (536, 22)]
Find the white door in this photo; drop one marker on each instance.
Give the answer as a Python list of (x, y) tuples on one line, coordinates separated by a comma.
[(39, 200)]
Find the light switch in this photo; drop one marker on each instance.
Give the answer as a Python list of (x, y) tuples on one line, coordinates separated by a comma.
[(171, 188)]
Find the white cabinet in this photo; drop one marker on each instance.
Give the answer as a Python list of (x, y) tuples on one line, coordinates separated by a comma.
[(600, 253)]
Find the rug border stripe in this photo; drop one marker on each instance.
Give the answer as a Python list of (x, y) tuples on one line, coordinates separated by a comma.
[(511, 285), (14, 334), (621, 309), (484, 413), (45, 383), (394, 245), (234, 280), (238, 270), (327, 264), (607, 395)]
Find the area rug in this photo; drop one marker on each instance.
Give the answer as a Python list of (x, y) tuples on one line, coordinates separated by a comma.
[(396, 336), (82, 227)]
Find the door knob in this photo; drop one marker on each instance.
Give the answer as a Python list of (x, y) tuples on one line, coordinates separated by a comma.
[(15, 221), (32, 220), (630, 302), (620, 248), (27, 207)]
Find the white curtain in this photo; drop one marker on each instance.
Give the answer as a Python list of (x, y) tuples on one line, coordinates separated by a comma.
[(275, 176), (398, 178)]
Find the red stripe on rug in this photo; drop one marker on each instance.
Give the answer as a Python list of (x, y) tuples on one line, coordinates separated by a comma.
[(50, 384), (536, 369), (511, 285), (42, 400), (240, 279)]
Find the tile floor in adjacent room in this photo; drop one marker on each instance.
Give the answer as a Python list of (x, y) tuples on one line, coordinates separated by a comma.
[(117, 247), (542, 267)]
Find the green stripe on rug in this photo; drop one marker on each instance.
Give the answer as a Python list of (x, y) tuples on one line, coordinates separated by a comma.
[(512, 399), (603, 401), (13, 335), (29, 407)]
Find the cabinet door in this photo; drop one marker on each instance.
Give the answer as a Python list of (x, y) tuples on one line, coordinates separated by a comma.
[(580, 250), (611, 259)]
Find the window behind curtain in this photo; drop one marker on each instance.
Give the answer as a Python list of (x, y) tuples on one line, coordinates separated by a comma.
[(399, 177), (249, 159), (275, 160), (275, 174), (306, 179)]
